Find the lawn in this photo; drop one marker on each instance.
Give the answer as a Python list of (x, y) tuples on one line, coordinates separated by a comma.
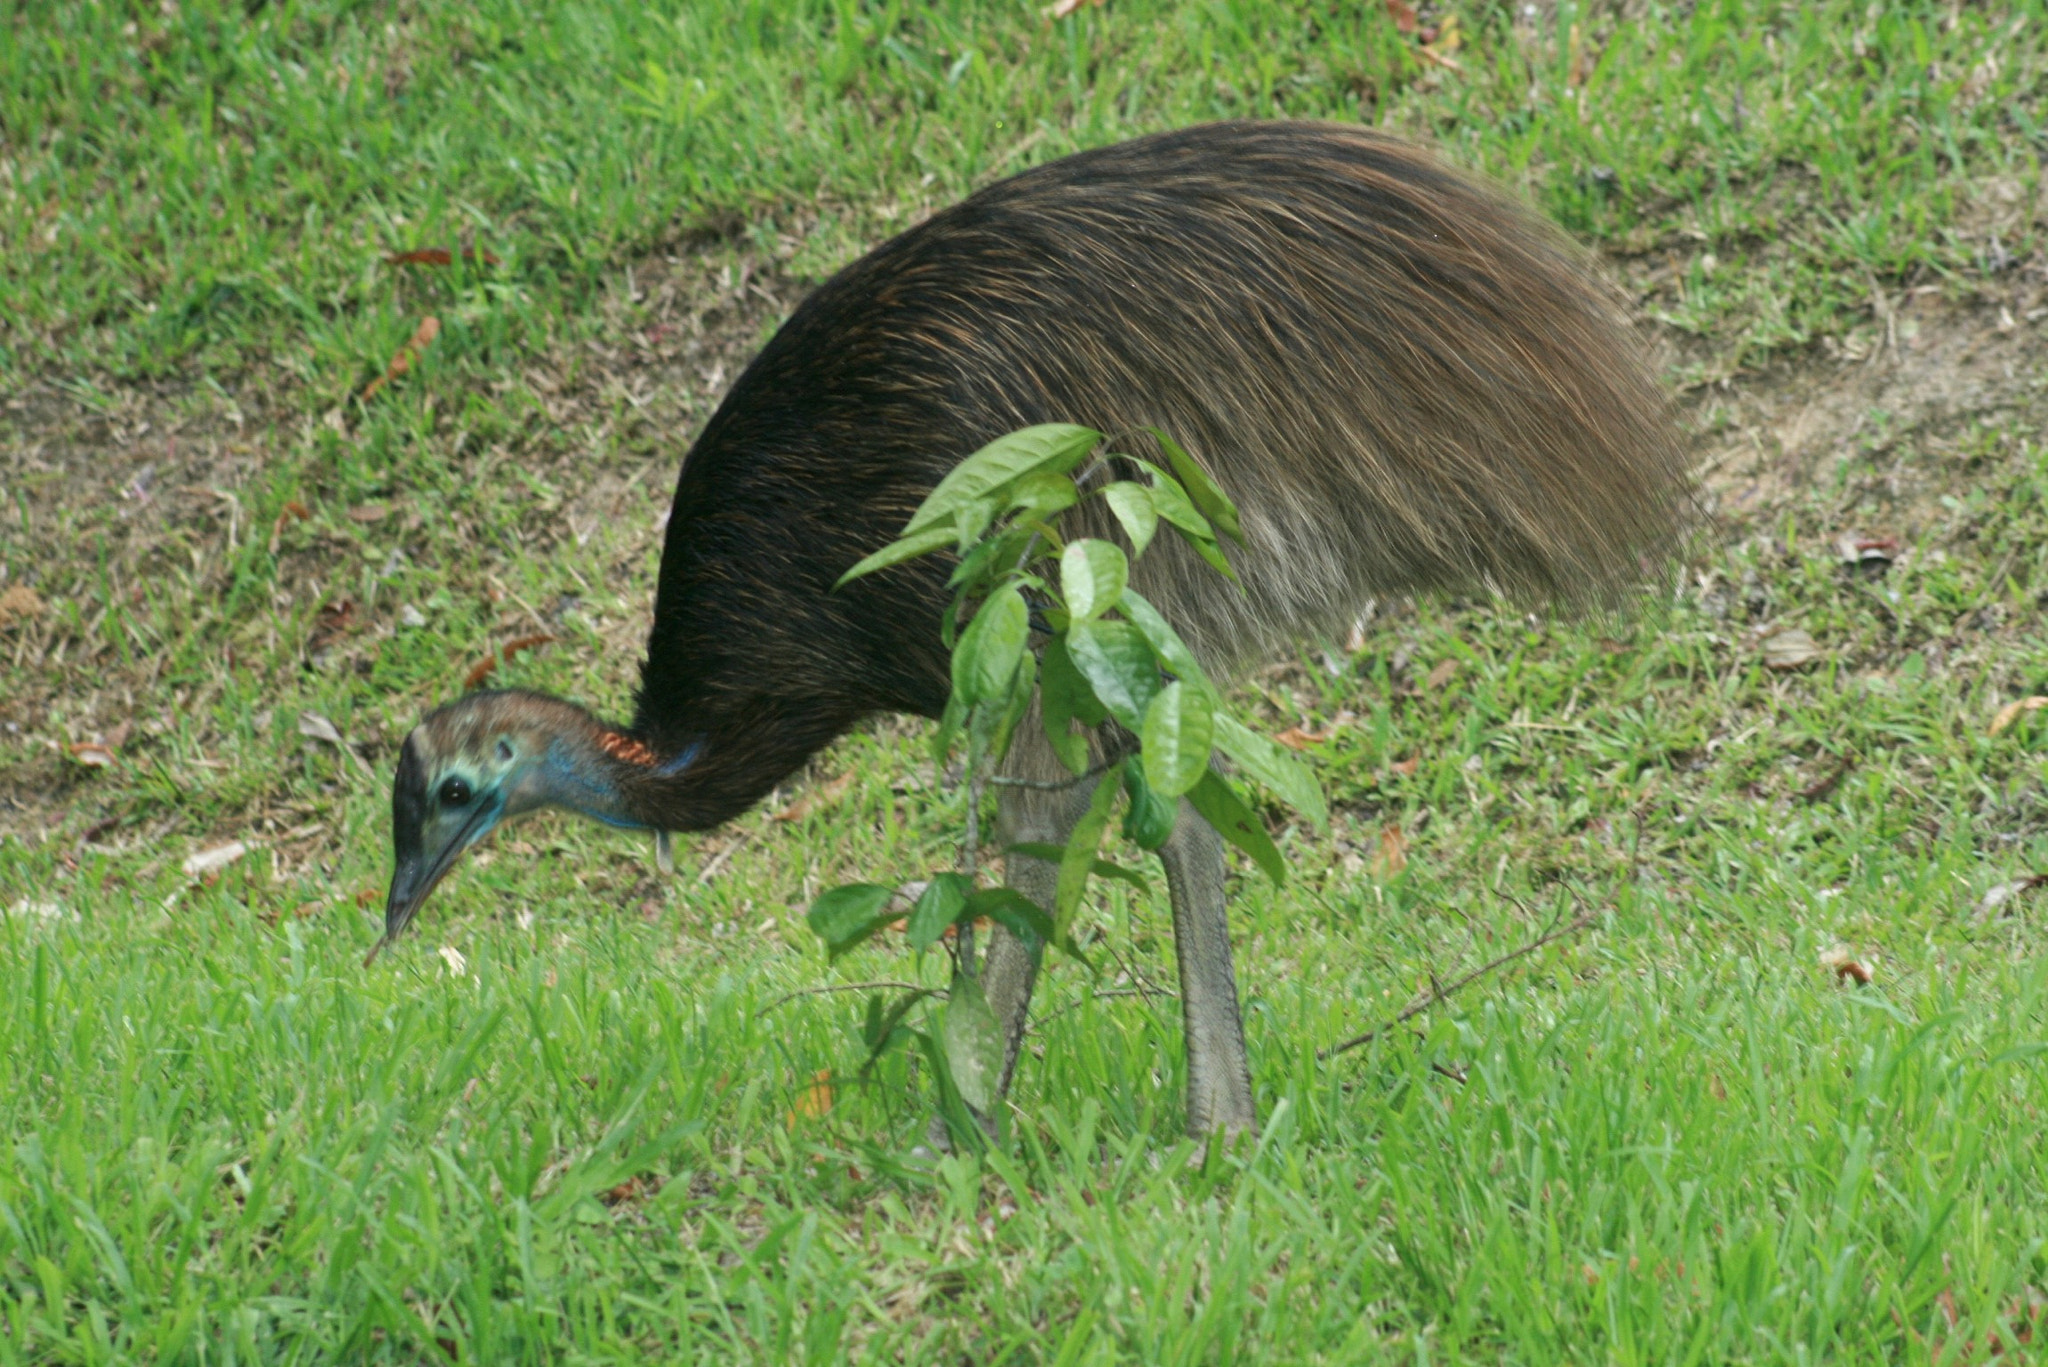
[(1781, 1101)]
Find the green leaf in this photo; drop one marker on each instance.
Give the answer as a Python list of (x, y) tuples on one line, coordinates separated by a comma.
[(1172, 503), (1005, 722), (883, 1028), (984, 476), (961, 1126), (1290, 779), (988, 561), (1214, 503), (845, 916), (896, 552), (1092, 577), (1043, 494), (955, 717), (1177, 509), (1222, 808), (1167, 646), (985, 660), (973, 1043), (1148, 820), (1064, 697), (970, 520), (1078, 860), (1178, 734), (1207, 548), (1105, 869), (1132, 504), (939, 906), (1012, 909), (1052, 854), (1117, 663)]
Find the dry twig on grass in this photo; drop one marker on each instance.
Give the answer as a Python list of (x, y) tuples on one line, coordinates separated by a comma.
[(1439, 991)]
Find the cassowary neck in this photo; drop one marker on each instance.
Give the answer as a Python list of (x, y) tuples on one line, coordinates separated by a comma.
[(606, 775), (676, 782)]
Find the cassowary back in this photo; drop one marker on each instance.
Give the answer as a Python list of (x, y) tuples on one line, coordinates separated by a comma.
[(1406, 381)]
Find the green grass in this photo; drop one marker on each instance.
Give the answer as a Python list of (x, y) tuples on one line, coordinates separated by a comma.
[(196, 184), (1678, 1137)]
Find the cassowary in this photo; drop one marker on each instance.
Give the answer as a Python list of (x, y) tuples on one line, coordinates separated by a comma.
[(1406, 381)]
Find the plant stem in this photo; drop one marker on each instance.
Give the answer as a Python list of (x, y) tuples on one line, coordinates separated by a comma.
[(970, 851)]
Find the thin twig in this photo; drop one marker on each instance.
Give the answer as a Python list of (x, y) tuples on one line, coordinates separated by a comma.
[(718, 860), (788, 997), (970, 850), (1054, 785), (1440, 991), (1146, 987), (1075, 1004)]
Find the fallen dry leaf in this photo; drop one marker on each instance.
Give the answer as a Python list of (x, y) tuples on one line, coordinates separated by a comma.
[(1407, 767), (1393, 853), (511, 648), (1576, 63), (1060, 9), (1791, 649), (1867, 550), (19, 604), (331, 621), (429, 329), (632, 1189), (817, 799), (92, 754), (292, 509), (214, 859), (2012, 711), (483, 668), (1300, 737), (370, 512), (1998, 896), (814, 1100), (1847, 965), (1438, 49), (316, 727), (1403, 15), (1441, 675), (438, 256)]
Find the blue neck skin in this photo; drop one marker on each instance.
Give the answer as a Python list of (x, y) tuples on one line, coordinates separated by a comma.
[(581, 781), (584, 780)]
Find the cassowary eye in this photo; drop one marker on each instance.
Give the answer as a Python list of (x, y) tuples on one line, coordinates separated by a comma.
[(454, 793)]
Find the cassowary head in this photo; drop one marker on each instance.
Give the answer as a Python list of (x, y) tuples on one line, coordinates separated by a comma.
[(486, 757)]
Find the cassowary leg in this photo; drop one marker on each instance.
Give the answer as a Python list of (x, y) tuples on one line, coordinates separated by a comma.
[(1026, 816), (1219, 1071)]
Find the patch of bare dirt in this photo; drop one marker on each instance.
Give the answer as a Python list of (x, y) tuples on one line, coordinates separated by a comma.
[(128, 493), (137, 502), (1875, 413)]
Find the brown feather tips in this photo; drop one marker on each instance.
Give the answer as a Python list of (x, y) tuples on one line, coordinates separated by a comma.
[(626, 749)]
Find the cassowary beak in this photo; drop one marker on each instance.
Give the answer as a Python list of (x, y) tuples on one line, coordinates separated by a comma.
[(417, 873), (416, 876), (424, 846)]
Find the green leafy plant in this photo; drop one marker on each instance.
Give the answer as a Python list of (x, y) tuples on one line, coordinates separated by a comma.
[(1037, 613)]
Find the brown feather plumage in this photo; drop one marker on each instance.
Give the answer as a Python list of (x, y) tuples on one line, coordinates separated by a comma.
[(1407, 381)]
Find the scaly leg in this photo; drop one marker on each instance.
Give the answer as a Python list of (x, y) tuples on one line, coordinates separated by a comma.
[(1219, 1071), (1029, 816)]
